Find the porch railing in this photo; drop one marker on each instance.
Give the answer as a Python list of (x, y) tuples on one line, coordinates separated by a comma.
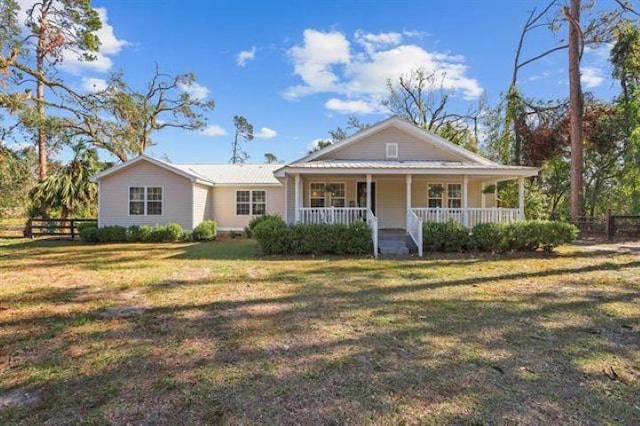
[(469, 217), (372, 220), (414, 228), (341, 215)]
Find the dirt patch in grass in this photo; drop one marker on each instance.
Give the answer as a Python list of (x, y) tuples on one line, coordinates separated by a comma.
[(208, 333)]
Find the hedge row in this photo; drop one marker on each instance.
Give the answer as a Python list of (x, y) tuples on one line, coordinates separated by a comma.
[(274, 236), (170, 232), (498, 237)]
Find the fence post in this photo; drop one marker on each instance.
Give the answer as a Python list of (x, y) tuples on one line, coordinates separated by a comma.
[(28, 231), (73, 229), (610, 226)]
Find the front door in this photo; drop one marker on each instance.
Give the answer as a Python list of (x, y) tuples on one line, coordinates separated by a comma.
[(361, 190)]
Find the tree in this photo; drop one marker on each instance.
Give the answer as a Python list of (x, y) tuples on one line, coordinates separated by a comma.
[(354, 125), (319, 144), (17, 177), (243, 131), (55, 30), (123, 120), (69, 190), (270, 158), (421, 98), (576, 107)]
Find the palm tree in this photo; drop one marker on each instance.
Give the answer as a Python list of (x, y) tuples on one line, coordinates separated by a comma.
[(69, 189)]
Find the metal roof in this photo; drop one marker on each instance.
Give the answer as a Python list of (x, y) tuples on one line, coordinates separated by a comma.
[(227, 174), (386, 164)]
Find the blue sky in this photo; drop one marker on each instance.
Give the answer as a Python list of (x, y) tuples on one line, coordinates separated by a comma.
[(307, 65)]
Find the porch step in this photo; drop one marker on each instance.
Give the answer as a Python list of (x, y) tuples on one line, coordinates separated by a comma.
[(393, 243)]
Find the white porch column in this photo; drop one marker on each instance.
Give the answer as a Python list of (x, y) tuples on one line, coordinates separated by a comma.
[(465, 201), (298, 198), (521, 197), (483, 198), (409, 181), (369, 192)]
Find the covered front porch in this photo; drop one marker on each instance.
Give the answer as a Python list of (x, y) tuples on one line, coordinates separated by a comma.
[(399, 201)]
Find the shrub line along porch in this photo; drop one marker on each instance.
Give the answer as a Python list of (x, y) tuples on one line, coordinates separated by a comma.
[(415, 215)]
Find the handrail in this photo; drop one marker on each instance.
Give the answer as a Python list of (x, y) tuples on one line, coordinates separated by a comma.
[(414, 227), (372, 220)]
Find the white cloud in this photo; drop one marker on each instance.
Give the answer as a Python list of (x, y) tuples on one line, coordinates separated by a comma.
[(327, 62), (266, 133), (352, 106), (542, 76), (602, 51), (245, 56), (195, 90), (372, 42), (110, 45), (92, 84), (213, 130), (313, 62), (591, 77)]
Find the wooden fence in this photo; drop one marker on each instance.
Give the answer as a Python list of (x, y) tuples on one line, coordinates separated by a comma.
[(623, 226), (63, 228)]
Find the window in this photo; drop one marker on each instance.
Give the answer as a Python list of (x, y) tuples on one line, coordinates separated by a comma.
[(454, 195), (392, 150), (259, 202), (154, 201), (316, 194), (136, 200), (322, 194), (145, 200), (251, 203), (435, 194)]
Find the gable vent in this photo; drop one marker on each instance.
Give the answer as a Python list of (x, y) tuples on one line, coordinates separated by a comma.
[(392, 150)]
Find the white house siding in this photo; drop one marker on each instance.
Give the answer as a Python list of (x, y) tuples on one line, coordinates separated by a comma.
[(224, 205), (114, 196), (202, 209), (374, 148)]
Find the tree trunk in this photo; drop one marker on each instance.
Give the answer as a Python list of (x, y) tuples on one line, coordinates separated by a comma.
[(576, 110), (42, 136)]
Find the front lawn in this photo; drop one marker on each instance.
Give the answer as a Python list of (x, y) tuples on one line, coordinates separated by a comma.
[(208, 333)]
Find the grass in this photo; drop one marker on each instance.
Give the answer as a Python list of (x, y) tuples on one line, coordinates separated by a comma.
[(208, 333)]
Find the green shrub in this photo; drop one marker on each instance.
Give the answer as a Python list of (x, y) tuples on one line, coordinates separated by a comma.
[(144, 233), (186, 236), (84, 225), (448, 236), (206, 230), (275, 237), (557, 233), (89, 234), (173, 232), (272, 235), (112, 234), (256, 220), (526, 235), (133, 234), (487, 237)]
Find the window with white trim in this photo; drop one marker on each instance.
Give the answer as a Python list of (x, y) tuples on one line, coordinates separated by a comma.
[(454, 195), (327, 194), (435, 195), (251, 203), (145, 200), (392, 150)]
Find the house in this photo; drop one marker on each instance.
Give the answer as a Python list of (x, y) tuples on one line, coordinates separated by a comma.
[(393, 174)]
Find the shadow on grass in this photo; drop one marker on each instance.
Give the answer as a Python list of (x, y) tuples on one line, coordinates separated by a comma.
[(386, 359)]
